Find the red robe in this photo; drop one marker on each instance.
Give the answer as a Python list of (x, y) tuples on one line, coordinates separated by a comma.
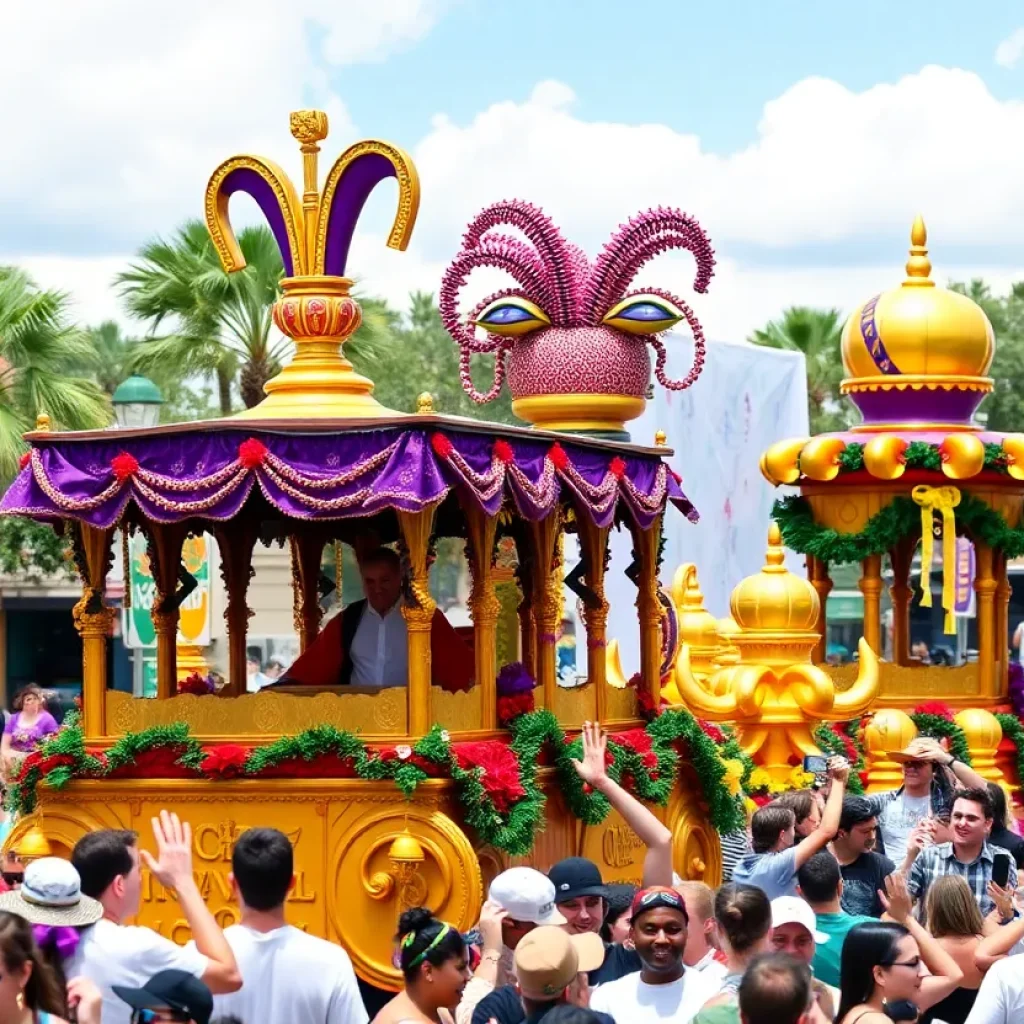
[(451, 661)]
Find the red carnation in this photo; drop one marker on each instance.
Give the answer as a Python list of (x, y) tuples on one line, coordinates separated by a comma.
[(863, 776), (124, 466), (556, 453), (442, 445), (639, 742), (617, 467), (47, 764), (225, 761), (935, 707), (251, 453), (503, 452), (713, 733), (510, 708), (24, 460), (500, 771)]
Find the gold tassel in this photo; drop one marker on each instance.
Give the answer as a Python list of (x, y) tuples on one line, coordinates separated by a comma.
[(942, 500), (126, 564), (337, 571)]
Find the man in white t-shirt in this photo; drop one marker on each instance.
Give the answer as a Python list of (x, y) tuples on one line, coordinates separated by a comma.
[(287, 975), (111, 954), (699, 954), (1001, 996), (663, 989)]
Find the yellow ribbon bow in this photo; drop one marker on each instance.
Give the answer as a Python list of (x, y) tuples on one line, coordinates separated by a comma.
[(942, 500)]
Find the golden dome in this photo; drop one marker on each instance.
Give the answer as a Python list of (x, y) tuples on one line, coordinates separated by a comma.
[(775, 600), (918, 330)]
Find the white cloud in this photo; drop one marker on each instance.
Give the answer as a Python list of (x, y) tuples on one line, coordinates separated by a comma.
[(1010, 50)]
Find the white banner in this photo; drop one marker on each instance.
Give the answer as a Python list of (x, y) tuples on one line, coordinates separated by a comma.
[(747, 398)]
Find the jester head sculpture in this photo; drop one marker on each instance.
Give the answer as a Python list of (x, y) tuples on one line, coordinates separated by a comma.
[(314, 233), (571, 335)]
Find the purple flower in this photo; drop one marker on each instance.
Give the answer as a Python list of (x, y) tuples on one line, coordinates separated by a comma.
[(514, 679)]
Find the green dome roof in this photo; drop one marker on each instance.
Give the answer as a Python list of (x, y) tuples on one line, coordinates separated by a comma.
[(137, 390)]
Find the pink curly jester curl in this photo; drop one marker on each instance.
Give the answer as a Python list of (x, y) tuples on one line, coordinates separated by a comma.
[(572, 327)]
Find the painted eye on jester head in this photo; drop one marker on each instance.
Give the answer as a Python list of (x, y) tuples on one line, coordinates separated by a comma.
[(512, 316), (643, 314)]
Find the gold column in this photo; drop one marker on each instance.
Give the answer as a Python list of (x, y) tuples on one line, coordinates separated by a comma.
[(94, 622), (307, 546), (594, 545), (901, 558), (545, 604), (484, 607), (985, 587), (870, 586), (645, 544), (1003, 591), (527, 619), (817, 574), (236, 544), (164, 547), (419, 616)]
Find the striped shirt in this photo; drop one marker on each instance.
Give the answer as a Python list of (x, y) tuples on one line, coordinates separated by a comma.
[(735, 845), (937, 861)]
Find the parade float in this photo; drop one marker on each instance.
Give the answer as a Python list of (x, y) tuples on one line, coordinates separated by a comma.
[(408, 795)]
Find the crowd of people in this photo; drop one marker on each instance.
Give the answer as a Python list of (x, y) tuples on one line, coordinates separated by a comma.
[(898, 906)]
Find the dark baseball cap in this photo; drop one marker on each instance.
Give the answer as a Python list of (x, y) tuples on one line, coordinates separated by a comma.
[(654, 897), (575, 877), (173, 990)]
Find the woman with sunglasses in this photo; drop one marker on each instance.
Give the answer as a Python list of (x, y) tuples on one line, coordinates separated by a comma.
[(433, 959), (882, 971)]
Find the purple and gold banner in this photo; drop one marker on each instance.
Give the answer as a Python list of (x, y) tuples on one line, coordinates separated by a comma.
[(873, 340), (963, 603)]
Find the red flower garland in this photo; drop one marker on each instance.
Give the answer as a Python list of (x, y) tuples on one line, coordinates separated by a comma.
[(935, 707), (503, 452), (225, 761), (442, 445), (252, 453), (510, 708), (124, 466), (712, 732), (617, 467), (559, 458), (25, 459), (640, 743), (500, 775)]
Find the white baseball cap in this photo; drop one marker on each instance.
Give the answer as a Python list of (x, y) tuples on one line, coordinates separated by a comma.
[(793, 910), (526, 895)]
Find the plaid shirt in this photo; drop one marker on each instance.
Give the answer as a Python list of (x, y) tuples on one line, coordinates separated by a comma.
[(936, 861)]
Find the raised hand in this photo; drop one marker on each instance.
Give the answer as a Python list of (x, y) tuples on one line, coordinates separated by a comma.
[(491, 916), (592, 768), (838, 769), (896, 898), (173, 864), (1003, 899), (85, 1000)]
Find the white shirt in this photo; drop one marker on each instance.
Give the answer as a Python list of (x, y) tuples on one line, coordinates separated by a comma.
[(379, 653), (709, 967), (257, 681), (289, 977), (630, 999), (111, 954), (1001, 996)]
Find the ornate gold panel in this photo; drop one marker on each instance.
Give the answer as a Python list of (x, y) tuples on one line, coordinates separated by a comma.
[(456, 712), (575, 705), (908, 683), (261, 715), (621, 704)]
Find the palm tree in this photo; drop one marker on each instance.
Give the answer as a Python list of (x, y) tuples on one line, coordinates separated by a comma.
[(221, 322), (816, 333), (39, 353)]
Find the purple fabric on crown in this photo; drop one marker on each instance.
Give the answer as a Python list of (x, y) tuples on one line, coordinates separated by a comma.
[(361, 177), (244, 180)]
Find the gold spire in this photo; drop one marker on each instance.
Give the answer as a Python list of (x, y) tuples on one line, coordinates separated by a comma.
[(775, 557), (919, 267)]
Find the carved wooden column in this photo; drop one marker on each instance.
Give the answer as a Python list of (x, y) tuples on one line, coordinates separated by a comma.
[(870, 586), (817, 575), (901, 558), (484, 607), (418, 613), (546, 605), (307, 547), (594, 546), (645, 546), (1003, 592), (94, 622), (985, 586), (165, 541), (527, 619), (235, 544)]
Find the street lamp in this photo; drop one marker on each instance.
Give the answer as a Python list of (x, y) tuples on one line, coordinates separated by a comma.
[(137, 402)]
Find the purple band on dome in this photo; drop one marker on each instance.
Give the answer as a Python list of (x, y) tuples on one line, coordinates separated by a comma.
[(917, 406), (873, 340)]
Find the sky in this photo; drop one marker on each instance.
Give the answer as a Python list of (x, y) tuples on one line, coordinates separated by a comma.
[(803, 136)]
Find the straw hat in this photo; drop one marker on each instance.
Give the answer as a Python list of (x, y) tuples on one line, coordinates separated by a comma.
[(920, 749), (52, 894)]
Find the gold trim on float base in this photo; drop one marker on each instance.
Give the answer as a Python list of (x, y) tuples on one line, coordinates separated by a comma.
[(578, 412), (916, 382), (909, 685)]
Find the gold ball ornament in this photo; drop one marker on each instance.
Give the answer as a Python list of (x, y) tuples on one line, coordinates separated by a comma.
[(963, 456), (889, 729), (819, 458), (981, 729), (1013, 449), (425, 404), (781, 463), (884, 457)]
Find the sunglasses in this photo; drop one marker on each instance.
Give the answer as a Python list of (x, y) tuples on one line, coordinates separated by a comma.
[(13, 878), (151, 1016)]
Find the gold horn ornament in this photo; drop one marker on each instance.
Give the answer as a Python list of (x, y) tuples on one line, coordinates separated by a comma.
[(942, 500), (819, 459), (884, 457), (314, 233), (781, 463)]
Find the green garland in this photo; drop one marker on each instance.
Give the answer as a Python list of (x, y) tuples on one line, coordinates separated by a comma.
[(645, 761), (1013, 730), (830, 737), (886, 528), (939, 727), (920, 455)]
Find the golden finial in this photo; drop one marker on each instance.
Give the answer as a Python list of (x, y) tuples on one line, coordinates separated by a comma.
[(776, 555), (42, 423), (919, 267), (660, 438), (425, 404), (308, 126)]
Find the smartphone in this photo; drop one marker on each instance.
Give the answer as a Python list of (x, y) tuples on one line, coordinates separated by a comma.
[(900, 1010), (815, 764), (1001, 869)]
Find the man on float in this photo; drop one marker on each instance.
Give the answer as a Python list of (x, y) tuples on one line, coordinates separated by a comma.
[(366, 644)]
